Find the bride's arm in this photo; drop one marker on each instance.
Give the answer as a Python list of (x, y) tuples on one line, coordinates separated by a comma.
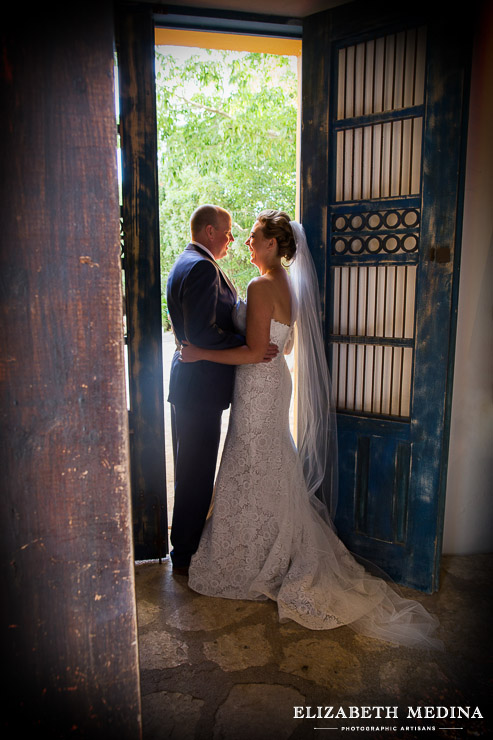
[(259, 313)]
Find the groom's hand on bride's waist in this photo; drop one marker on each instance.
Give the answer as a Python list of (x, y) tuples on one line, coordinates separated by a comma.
[(189, 353), (271, 352)]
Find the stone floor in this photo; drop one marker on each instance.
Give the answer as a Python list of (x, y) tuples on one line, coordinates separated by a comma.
[(227, 670)]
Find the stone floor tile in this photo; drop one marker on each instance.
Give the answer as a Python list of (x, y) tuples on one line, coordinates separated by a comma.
[(159, 649), (257, 711), (244, 648), (399, 677), (147, 612), (204, 613), (170, 716), (324, 662)]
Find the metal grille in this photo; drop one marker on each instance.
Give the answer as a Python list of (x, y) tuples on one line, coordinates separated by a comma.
[(380, 160), (382, 74), (374, 301), (391, 231), (373, 379), (375, 221)]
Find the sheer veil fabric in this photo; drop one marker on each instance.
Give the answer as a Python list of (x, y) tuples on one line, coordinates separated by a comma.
[(270, 534), (395, 618), (316, 419)]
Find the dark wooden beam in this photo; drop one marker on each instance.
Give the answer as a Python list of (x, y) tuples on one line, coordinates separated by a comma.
[(68, 616), (142, 277), (314, 189)]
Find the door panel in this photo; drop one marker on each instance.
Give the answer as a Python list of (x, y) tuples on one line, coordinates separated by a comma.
[(140, 212), (383, 242)]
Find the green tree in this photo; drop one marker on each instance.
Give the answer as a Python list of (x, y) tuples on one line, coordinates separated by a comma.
[(226, 135)]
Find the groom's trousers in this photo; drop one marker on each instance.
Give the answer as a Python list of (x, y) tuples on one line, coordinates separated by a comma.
[(196, 433)]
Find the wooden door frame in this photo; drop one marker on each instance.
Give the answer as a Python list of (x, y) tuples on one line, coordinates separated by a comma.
[(140, 220), (140, 213), (69, 622), (135, 23)]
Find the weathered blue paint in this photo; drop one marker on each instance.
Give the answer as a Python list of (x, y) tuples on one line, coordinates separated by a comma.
[(448, 61), (392, 470)]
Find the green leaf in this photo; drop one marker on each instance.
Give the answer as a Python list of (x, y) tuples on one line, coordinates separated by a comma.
[(226, 135)]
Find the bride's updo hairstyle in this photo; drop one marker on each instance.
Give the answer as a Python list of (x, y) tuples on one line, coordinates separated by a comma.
[(276, 224)]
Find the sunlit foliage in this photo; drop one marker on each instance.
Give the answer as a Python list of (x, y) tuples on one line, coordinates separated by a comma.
[(226, 135)]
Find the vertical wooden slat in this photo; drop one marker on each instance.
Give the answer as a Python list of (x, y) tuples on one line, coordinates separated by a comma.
[(68, 617), (142, 277), (314, 184)]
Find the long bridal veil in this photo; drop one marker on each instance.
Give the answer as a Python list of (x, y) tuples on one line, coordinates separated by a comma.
[(316, 421), (365, 602)]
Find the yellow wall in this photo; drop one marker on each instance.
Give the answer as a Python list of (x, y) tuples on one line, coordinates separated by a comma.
[(230, 41)]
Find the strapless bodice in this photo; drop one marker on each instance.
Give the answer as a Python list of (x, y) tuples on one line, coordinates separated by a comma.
[(279, 333)]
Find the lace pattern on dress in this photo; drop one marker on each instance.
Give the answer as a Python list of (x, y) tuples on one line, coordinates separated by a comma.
[(264, 540)]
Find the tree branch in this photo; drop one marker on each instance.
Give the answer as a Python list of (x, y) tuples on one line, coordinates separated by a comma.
[(204, 107)]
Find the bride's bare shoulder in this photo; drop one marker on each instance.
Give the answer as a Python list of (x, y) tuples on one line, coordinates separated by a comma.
[(259, 283), (260, 292)]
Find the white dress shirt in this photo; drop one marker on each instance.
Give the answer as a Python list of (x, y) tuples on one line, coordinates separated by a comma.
[(198, 244)]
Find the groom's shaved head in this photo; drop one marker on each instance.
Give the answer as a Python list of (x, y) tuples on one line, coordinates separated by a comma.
[(205, 216)]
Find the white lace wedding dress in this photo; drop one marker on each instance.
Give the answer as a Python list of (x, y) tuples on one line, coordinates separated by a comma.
[(264, 540)]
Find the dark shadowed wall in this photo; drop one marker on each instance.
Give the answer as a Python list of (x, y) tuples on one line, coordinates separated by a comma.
[(68, 606)]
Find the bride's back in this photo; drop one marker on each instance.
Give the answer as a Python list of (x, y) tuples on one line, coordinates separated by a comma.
[(282, 295)]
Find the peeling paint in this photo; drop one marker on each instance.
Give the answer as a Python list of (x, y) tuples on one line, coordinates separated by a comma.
[(85, 260)]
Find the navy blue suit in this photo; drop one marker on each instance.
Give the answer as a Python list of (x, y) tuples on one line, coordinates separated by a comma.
[(200, 304)]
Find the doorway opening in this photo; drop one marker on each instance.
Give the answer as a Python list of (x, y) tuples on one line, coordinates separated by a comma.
[(228, 123)]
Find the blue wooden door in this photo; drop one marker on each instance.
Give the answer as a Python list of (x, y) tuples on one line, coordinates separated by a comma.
[(381, 152)]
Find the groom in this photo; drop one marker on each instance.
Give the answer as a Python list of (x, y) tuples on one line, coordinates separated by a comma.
[(200, 303)]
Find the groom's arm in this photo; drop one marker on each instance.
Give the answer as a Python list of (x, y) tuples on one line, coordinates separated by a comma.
[(257, 347), (199, 304)]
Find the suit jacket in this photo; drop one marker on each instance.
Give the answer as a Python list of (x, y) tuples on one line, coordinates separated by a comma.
[(200, 304)]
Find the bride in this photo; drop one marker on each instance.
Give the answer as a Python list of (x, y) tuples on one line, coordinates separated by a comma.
[(269, 535)]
